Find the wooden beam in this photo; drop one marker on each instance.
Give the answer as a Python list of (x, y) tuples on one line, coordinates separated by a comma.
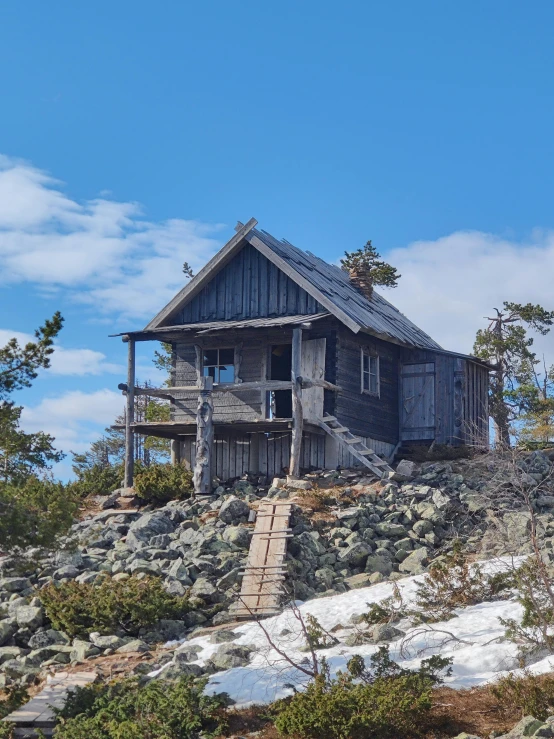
[(205, 274), (235, 387), (297, 414), (130, 415), (175, 452), (202, 477), (309, 382)]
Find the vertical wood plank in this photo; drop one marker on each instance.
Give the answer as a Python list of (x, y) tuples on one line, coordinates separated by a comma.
[(130, 414), (202, 477), (297, 413)]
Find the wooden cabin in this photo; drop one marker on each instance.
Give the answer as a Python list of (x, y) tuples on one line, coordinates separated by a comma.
[(281, 364)]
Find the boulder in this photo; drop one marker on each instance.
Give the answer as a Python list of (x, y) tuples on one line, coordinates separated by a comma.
[(230, 655), (15, 584), (378, 563), (82, 650), (204, 589), (30, 617), (135, 645), (239, 536), (47, 638), (106, 642), (147, 526), (415, 562), (357, 581), (234, 511), (529, 726), (385, 633), (390, 529), (7, 630)]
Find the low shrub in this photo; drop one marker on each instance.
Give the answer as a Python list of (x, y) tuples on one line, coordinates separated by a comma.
[(317, 637), (35, 514), (160, 483), (13, 700), (98, 479), (532, 695), (110, 605), (125, 709), (379, 702), (453, 583), (388, 611)]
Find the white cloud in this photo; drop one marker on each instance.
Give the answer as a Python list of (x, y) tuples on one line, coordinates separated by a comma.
[(449, 285), (68, 361), (74, 418), (102, 251)]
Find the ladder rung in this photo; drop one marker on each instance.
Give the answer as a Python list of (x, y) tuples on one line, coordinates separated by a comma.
[(341, 429), (365, 451), (329, 418), (274, 531), (380, 463), (355, 440)]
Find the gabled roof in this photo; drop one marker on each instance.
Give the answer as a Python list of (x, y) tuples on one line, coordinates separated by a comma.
[(327, 283)]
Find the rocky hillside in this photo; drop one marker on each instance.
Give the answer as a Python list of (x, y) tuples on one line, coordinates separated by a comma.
[(349, 532)]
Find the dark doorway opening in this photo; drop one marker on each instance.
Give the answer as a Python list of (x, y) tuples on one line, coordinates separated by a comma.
[(280, 369)]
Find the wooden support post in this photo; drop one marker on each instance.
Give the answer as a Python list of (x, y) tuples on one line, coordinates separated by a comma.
[(297, 414), (130, 414), (202, 477), (175, 451), (254, 465)]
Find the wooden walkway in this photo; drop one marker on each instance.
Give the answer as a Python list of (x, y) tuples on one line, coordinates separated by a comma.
[(36, 718), (265, 572)]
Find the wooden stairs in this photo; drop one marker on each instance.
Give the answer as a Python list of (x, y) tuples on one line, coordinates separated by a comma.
[(265, 571), (355, 445)]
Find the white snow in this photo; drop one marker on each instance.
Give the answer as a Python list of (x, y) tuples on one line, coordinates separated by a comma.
[(474, 639)]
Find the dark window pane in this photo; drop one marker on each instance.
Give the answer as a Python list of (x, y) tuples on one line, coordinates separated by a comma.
[(366, 363), (226, 356), (373, 383), (226, 373), (210, 372), (210, 357)]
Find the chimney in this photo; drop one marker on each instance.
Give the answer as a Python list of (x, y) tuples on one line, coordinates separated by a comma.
[(361, 279)]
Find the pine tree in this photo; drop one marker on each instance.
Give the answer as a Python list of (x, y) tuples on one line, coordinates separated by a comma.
[(506, 344)]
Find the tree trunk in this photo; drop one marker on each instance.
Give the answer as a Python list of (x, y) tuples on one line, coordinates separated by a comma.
[(202, 477)]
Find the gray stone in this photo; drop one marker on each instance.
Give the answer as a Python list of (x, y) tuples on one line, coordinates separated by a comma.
[(82, 650), (230, 655), (147, 526), (529, 726), (244, 487), (171, 629), (67, 572), (385, 633), (142, 565), (299, 485), (47, 638), (358, 581), (106, 642), (136, 645), (178, 668), (378, 563), (7, 653), (30, 617), (355, 555), (546, 500), (234, 510), (221, 637), (441, 500), (180, 572), (239, 536), (422, 527), (390, 529), (407, 469), (325, 577), (15, 584), (415, 562), (204, 589), (7, 630)]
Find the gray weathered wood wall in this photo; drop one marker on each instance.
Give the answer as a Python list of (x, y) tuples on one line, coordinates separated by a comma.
[(249, 286)]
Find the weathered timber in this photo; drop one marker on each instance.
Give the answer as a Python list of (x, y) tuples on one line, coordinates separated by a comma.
[(202, 478), (130, 415), (297, 413), (175, 452)]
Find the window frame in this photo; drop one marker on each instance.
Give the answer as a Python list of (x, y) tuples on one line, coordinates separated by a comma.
[(232, 364), (373, 356)]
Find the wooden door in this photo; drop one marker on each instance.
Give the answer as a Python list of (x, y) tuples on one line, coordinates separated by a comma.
[(417, 408), (312, 366)]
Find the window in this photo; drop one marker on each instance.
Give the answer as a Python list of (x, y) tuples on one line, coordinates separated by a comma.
[(219, 364), (370, 373)]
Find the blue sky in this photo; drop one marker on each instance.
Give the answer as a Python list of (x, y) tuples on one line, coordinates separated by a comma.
[(133, 136)]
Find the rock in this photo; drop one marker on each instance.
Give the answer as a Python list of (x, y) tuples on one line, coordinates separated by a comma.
[(546, 500), (47, 638), (239, 536), (422, 527), (30, 617), (106, 642), (143, 566), (147, 526), (407, 469), (463, 735), (299, 484), (356, 554), (81, 650), (390, 529), (234, 511), (136, 645), (441, 501), (385, 633), (180, 572), (15, 584), (378, 564), (244, 487), (325, 577), (415, 562), (7, 653), (178, 668), (7, 630), (68, 572), (358, 581), (220, 637), (529, 726), (204, 589), (188, 653), (230, 655), (171, 629)]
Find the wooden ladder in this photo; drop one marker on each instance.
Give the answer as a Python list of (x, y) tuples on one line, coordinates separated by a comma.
[(355, 445), (265, 571)]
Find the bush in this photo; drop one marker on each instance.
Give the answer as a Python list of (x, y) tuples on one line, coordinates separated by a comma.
[(381, 702), (35, 514), (125, 709), (14, 699), (98, 479), (454, 583), (533, 695), (160, 483), (388, 611), (110, 606)]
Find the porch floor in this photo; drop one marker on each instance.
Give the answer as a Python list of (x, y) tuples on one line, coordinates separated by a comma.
[(174, 429)]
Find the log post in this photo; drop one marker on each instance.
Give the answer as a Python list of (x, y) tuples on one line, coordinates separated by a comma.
[(175, 451), (202, 477), (297, 414), (130, 414)]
